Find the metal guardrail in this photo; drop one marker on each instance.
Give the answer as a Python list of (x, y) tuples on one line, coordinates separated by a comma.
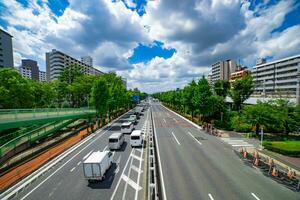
[(32, 136), (16, 114), (152, 175)]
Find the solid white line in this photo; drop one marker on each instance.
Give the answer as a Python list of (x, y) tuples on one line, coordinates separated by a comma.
[(61, 167), (129, 171), (114, 193), (194, 138), (133, 184), (159, 163), (255, 196), (105, 148), (140, 167), (87, 155), (136, 157), (242, 145), (176, 139), (78, 163), (72, 169), (210, 196)]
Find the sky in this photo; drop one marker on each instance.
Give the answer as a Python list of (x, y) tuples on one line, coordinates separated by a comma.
[(157, 45)]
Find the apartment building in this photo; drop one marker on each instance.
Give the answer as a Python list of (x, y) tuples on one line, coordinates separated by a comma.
[(222, 70), (29, 69), (87, 60), (56, 61), (42, 76), (6, 50), (279, 78), (239, 74)]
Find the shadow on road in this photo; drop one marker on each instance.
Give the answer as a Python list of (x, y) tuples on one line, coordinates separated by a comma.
[(107, 182)]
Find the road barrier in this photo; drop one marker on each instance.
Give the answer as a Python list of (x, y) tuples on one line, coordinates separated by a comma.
[(285, 176), (210, 129), (152, 167)]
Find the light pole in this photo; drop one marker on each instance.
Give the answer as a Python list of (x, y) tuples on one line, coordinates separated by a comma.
[(261, 138)]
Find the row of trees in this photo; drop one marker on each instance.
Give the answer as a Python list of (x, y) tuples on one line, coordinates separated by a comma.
[(207, 103), (72, 89)]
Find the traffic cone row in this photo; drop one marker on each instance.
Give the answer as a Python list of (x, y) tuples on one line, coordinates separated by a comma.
[(275, 172)]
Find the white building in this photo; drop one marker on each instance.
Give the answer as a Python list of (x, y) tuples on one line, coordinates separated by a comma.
[(56, 61), (42, 76), (25, 72), (279, 78), (87, 60)]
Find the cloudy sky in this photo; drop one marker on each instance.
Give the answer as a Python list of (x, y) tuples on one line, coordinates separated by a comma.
[(156, 44)]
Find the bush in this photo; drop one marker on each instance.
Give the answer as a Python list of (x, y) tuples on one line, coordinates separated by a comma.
[(240, 126), (284, 147)]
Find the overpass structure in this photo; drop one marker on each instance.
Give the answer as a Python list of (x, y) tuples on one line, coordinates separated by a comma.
[(14, 118)]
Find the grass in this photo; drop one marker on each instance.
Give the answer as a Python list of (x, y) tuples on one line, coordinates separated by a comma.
[(284, 147)]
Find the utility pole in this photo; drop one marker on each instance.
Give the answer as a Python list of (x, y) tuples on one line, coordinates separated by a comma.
[(261, 138)]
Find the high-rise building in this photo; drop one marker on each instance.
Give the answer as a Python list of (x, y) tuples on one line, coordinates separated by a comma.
[(238, 74), (222, 70), (6, 50), (29, 69), (87, 60), (56, 61), (42, 76), (279, 78)]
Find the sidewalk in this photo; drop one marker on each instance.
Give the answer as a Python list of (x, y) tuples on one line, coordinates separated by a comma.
[(293, 162)]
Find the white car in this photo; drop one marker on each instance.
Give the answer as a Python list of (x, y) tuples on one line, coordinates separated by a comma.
[(127, 127), (136, 138)]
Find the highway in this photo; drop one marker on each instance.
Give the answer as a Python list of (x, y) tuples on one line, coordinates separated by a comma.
[(195, 165), (65, 180)]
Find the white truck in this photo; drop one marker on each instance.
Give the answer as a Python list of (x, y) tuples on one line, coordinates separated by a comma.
[(95, 166)]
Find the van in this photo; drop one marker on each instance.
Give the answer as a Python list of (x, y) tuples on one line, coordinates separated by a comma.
[(96, 165), (136, 138), (115, 141), (133, 119), (127, 127)]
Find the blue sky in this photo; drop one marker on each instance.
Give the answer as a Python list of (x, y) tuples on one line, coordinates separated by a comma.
[(156, 45)]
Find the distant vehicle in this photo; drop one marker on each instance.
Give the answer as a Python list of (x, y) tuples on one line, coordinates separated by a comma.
[(95, 166), (136, 138), (132, 118), (127, 127), (115, 141)]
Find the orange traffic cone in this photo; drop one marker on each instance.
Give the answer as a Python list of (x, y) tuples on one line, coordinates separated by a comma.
[(245, 154), (275, 172), (270, 163)]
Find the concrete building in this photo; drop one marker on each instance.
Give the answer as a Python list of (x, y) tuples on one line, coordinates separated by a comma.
[(56, 61), (6, 50), (239, 74), (222, 70), (42, 76), (29, 69), (279, 78), (87, 60), (209, 78)]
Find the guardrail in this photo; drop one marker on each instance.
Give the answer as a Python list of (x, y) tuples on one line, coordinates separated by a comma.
[(16, 114), (32, 136), (152, 167)]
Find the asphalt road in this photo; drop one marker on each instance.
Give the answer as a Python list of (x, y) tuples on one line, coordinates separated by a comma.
[(196, 165), (66, 180)]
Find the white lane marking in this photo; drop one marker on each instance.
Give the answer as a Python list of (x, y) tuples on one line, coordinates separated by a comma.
[(176, 139), (175, 119), (210, 196), (165, 120), (114, 193), (194, 138), (255, 196), (105, 148), (136, 169), (126, 185), (140, 167), (136, 157), (131, 183), (63, 165), (78, 163), (139, 150), (72, 169), (159, 163), (87, 155)]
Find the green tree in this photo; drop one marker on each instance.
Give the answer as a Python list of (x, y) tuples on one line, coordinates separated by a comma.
[(100, 95), (241, 90), (221, 88)]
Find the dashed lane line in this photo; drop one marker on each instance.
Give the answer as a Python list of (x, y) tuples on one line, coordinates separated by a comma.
[(176, 139)]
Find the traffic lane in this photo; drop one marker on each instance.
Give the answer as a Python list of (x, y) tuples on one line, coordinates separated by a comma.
[(215, 152), (96, 145), (186, 175)]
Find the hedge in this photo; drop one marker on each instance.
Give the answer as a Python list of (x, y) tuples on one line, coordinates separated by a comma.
[(284, 147)]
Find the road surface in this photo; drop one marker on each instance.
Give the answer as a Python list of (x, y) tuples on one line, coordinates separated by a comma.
[(196, 165)]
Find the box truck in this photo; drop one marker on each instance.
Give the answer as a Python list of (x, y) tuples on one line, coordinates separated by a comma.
[(95, 166)]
